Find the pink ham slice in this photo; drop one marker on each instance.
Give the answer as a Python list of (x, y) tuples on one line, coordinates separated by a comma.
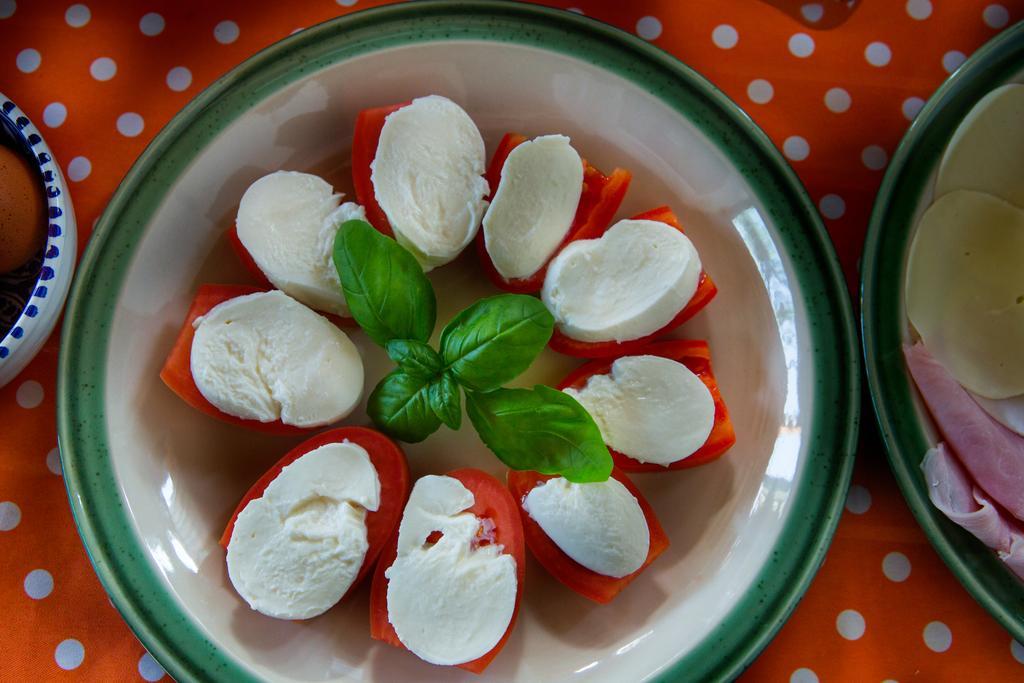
[(991, 453), (952, 492)]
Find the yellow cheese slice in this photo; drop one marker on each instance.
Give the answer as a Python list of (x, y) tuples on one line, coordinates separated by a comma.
[(986, 152), (965, 290)]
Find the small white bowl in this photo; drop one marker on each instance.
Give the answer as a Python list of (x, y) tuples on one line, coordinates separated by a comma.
[(45, 298)]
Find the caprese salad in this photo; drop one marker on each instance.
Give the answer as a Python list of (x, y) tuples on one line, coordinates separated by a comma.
[(448, 558)]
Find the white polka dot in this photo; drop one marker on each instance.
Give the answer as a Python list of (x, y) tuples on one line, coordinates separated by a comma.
[(937, 636), (575, 10), (53, 461), (995, 16), (725, 36), (803, 676), (54, 114), (10, 515), (896, 567), (346, 3), (832, 206), (796, 148), (151, 24), (837, 100), (801, 45), (874, 157), (850, 624), (149, 669), (129, 124), (877, 54), (29, 394), (38, 584), (103, 69), (226, 32), (1017, 650), (77, 16), (7, 8), (952, 60), (812, 12), (79, 169), (858, 500), (179, 78), (911, 107), (69, 654), (919, 9), (28, 60), (648, 28), (760, 91)]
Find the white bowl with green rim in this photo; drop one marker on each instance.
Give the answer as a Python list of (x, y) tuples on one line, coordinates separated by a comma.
[(907, 428), (152, 482)]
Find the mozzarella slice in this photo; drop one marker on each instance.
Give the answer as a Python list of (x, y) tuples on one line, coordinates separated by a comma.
[(534, 207), (428, 178), (629, 283), (965, 290), (450, 602), (650, 408), (599, 525), (295, 551), (266, 357), (287, 222), (986, 152), (1008, 412)]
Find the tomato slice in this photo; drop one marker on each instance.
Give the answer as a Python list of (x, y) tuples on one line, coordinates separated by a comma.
[(369, 124), (602, 195), (591, 585), (392, 471), (177, 370), (706, 291), (494, 503), (696, 356)]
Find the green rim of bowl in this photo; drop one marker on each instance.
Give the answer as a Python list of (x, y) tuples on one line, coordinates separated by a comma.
[(104, 523), (883, 320)]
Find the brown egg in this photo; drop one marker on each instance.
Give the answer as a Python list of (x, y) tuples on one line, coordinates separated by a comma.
[(22, 211)]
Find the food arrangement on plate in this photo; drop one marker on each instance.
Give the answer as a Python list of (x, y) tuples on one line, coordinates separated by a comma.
[(447, 558), (965, 301)]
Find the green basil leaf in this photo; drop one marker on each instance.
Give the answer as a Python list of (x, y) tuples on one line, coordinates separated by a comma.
[(415, 358), (540, 429), (400, 406), (446, 401), (494, 340), (385, 288)]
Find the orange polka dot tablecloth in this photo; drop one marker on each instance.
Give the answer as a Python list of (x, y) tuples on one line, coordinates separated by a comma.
[(834, 84)]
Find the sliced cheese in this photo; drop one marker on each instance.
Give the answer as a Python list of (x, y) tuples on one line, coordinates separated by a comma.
[(287, 222), (629, 283), (1008, 412), (450, 602), (266, 357), (986, 153), (649, 408), (534, 207), (600, 525), (295, 551), (965, 290), (428, 178)]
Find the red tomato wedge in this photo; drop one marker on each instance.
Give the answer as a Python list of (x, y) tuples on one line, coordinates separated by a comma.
[(696, 356), (261, 280), (493, 502), (392, 471), (706, 291), (177, 370), (588, 583), (601, 198), (369, 124)]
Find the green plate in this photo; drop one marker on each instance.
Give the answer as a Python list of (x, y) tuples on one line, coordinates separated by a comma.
[(151, 482), (906, 427)]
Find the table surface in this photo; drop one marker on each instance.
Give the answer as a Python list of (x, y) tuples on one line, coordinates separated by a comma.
[(834, 86)]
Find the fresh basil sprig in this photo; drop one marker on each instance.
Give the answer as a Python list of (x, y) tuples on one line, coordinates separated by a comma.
[(485, 346), (540, 429)]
